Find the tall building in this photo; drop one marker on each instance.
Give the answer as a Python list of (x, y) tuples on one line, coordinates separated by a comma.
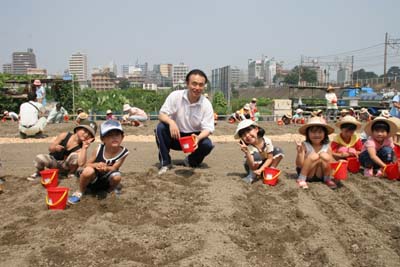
[(21, 61), (103, 80), (256, 69), (179, 75), (78, 67), (344, 74), (164, 69), (270, 71), (125, 70), (225, 79), (7, 68)]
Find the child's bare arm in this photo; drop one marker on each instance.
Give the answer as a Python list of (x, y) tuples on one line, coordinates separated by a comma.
[(375, 158), (249, 157), (266, 163), (116, 165), (82, 156), (55, 145), (90, 162), (300, 154)]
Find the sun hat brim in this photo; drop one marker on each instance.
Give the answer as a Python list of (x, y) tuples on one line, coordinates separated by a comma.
[(347, 120), (303, 129), (393, 127), (243, 125)]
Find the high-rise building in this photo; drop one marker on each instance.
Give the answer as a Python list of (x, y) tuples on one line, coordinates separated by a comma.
[(270, 71), (256, 70), (225, 79), (7, 68), (103, 79), (179, 75), (164, 69), (344, 74), (78, 67), (21, 61), (125, 70)]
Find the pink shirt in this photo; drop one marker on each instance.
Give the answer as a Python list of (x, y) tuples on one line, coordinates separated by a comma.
[(137, 112), (372, 143)]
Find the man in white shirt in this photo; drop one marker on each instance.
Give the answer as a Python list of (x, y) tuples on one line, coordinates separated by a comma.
[(30, 125), (186, 113)]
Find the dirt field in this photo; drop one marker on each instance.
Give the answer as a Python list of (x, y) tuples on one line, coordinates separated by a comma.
[(196, 217)]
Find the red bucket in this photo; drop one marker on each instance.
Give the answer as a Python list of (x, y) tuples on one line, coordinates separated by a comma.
[(396, 150), (392, 171), (339, 169), (56, 198), (187, 144), (353, 165), (49, 178), (66, 118), (271, 176)]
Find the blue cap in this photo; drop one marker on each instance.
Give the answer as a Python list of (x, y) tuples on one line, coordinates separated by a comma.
[(110, 125)]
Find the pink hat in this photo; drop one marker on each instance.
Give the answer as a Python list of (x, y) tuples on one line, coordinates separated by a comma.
[(37, 82)]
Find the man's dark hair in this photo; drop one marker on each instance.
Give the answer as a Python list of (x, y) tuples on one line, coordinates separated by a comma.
[(196, 72), (31, 96)]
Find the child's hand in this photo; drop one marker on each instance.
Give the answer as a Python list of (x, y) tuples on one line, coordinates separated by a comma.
[(86, 143), (299, 147), (101, 166), (258, 172), (196, 142), (59, 148), (243, 146)]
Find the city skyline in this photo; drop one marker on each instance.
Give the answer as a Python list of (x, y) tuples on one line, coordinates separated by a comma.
[(207, 35)]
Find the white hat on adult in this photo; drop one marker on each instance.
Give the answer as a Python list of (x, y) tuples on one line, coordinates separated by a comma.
[(126, 107)]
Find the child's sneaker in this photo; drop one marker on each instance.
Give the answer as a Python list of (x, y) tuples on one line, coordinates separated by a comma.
[(33, 177), (75, 198), (250, 178), (379, 173), (331, 184), (368, 172), (302, 184)]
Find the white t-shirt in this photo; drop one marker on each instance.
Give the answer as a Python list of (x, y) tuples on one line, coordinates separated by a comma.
[(267, 148), (189, 117), (331, 97), (29, 114)]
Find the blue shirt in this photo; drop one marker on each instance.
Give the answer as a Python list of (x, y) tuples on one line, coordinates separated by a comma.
[(394, 112)]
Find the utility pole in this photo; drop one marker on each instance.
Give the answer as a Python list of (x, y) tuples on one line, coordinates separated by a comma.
[(301, 63), (352, 66), (385, 56)]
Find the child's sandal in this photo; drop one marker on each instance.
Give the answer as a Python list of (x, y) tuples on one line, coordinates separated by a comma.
[(302, 184)]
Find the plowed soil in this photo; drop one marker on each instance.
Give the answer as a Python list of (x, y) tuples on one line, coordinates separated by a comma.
[(195, 217)]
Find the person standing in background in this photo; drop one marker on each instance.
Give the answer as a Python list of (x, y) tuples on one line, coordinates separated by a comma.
[(331, 104)]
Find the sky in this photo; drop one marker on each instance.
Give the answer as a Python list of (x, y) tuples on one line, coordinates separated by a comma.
[(203, 34)]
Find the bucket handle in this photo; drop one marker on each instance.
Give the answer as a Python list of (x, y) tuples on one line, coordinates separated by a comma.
[(273, 177), (51, 179), (58, 201), (337, 168)]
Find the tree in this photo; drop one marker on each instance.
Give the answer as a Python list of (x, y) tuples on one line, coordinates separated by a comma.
[(258, 83), (393, 72), (124, 83), (362, 74), (306, 74), (219, 103)]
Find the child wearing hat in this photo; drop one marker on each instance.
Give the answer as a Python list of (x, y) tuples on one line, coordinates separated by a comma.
[(257, 148), (65, 151), (101, 172), (314, 154), (287, 118), (298, 116), (109, 115), (378, 149), (347, 143)]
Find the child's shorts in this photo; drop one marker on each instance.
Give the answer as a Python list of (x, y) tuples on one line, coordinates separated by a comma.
[(102, 181)]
